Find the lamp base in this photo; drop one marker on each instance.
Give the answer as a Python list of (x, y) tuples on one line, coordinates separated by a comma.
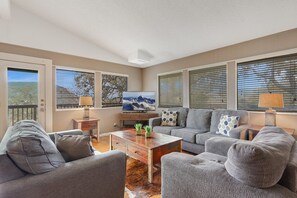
[(270, 117), (86, 113)]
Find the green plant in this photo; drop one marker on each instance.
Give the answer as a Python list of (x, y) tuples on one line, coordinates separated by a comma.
[(148, 130), (138, 127)]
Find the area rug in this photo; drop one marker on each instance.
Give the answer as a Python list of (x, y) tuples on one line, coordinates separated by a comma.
[(137, 184)]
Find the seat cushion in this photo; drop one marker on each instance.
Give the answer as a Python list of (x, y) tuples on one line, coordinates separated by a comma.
[(182, 114), (216, 115), (199, 119), (201, 138), (188, 135), (213, 157), (260, 163), (8, 170), (32, 149), (164, 129)]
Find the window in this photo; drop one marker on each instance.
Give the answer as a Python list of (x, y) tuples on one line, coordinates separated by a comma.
[(276, 75), (170, 90), (70, 85), (113, 87), (208, 88)]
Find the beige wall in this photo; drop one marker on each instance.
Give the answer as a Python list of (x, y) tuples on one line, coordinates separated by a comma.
[(269, 44), (62, 120)]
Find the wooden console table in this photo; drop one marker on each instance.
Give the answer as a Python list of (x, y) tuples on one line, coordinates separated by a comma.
[(253, 130), (88, 125), (138, 117)]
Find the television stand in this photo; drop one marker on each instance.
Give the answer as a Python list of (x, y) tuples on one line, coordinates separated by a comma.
[(135, 117)]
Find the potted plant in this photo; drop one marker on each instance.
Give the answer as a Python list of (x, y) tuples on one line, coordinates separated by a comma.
[(138, 127), (148, 131)]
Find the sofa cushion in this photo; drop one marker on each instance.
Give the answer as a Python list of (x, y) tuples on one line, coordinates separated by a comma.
[(260, 163), (212, 157), (216, 115), (289, 178), (32, 149), (74, 147), (164, 129), (201, 138), (4, 140), (227, 123), (8, 170), (169, 118), (187, 134), (199, 119), (182, 114)]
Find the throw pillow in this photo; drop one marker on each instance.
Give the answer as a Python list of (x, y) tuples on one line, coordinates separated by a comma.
[(74, 147), (169, 118), (227, 123), (31, 148)]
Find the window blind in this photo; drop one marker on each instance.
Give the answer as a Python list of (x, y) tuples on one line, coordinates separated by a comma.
[(275, 75), (208, 88), (170, 90)]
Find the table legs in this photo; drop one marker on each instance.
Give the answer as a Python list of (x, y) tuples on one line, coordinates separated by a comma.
[(150, 166)]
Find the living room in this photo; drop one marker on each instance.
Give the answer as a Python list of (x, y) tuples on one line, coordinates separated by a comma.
[(199, 55)]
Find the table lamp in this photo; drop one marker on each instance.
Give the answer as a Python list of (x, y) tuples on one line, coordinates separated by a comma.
[(271, 100), (86, 101)]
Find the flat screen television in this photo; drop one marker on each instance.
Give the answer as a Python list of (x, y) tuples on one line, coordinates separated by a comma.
[(139, 101)]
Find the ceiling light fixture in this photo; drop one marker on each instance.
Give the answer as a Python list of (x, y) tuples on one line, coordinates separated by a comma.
[(140, 57)]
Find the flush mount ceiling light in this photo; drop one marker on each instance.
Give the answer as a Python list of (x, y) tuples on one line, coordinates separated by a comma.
[(140, 57), (5, 9)]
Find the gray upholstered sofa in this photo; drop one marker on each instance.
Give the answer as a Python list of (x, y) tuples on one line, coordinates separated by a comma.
[(264, 167), (195, 126), (100, 175)]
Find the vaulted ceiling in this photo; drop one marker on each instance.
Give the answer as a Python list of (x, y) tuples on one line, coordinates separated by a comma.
[(166, 29)]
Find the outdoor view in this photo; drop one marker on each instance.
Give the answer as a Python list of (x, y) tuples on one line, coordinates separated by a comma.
[(22, 95)]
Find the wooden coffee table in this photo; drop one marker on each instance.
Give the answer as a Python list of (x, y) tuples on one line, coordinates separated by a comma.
[(146, 150)]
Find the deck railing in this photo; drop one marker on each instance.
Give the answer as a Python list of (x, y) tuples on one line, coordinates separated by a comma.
[(21, 112)]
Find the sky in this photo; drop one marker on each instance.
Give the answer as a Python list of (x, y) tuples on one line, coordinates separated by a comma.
[(136, 94), (22, 76)]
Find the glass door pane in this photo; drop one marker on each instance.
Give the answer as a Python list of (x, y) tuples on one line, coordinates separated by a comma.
[(22, 95)]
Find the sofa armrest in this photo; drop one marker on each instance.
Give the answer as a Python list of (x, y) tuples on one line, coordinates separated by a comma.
[(68, 132), (219, 145), (190, 176), (155, 121), (239, 132), (95, 176)]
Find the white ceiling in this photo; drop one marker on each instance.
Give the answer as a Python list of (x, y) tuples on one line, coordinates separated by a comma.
[(167, 29)]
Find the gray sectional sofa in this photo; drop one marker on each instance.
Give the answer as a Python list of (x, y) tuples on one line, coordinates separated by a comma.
[(264, 167), (101, 175), (196, 126)]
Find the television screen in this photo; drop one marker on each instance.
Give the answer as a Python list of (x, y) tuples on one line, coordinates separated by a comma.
[(139, 101)]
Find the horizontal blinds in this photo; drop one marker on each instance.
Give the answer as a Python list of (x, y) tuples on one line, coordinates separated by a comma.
[(208, 88), (170, 90), (275, 75)]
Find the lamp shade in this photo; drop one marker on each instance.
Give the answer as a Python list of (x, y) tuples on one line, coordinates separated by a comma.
[(271, 100), (85, 100)]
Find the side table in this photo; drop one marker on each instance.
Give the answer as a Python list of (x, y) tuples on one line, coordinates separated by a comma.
[(253, 130), (88, 125)]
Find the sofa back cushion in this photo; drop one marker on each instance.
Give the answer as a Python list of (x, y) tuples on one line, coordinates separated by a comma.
[(182, 114), (260, 163), (216, 116), (32, 149), (4, 140), (289, 178), (199, 119), (8, 170)]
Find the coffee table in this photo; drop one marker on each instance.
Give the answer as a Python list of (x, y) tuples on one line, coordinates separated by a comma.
[(146, 150)]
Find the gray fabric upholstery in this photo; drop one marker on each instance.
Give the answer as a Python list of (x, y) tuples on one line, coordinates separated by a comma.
[(236, 132), (193, 148), (32, 149), (199, 119), (8, 170), (220, 145), (68, 132), (260, 163), (187, 134), (182, 114), (155, 121), (289, 178), (188, 176), (165, 129), (216, 115), (203, 137), (74, 147), (212, 157), (4, 140), (92, 177)]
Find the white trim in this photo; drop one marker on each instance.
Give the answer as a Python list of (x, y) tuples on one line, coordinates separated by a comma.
[(114, 74), (74, 69), (171, 72), (48, 81), (224, 63)]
